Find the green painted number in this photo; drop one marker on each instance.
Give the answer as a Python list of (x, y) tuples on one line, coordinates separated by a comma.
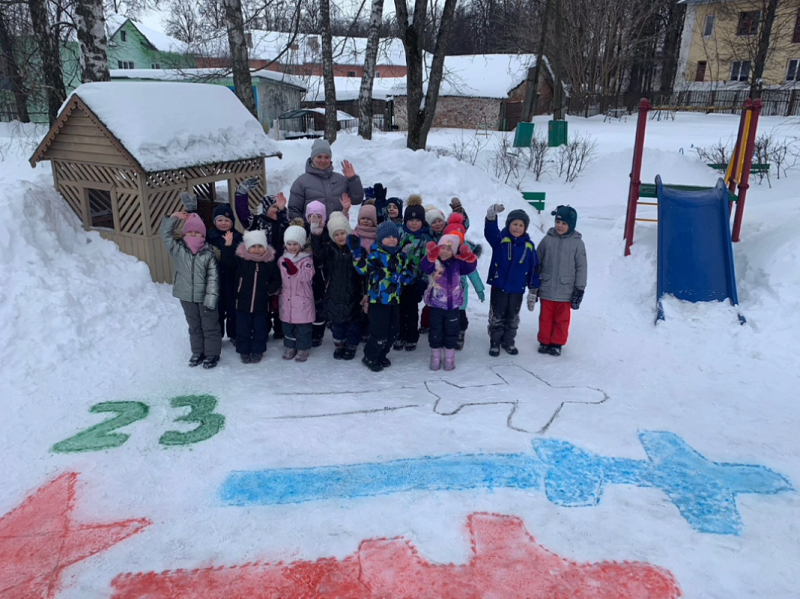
[(100, 436), (202, 408)]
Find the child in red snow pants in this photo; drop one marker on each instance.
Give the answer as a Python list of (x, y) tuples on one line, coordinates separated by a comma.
[(554, 322)]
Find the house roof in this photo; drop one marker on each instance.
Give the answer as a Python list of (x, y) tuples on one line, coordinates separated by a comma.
[(169, 126), (348, 88), (160, 41), (202, 75)]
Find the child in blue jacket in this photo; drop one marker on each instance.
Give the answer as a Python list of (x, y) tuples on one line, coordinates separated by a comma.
[(515, 266)]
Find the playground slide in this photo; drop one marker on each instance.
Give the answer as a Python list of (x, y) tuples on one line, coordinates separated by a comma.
[(695, 251)]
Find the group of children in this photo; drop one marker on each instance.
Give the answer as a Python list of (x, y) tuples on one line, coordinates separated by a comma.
[(301, 277)]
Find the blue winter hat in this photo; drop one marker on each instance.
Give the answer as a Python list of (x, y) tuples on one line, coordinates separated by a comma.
[(387, 229), (568, 214), (223, 210)]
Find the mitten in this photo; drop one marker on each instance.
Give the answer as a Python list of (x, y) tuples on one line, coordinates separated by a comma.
[(380, 193), (533, 297), (353, 242), (466, 254), (482, 296), (455, 204), (247, 186), (189, 202), (577, 298), (494, 210), (290, 267), (433, 251)]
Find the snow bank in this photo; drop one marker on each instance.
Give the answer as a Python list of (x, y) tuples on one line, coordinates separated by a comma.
[(175, 125)]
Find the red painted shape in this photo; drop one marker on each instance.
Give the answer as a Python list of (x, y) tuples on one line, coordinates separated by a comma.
[(507, 563), (38, 540)]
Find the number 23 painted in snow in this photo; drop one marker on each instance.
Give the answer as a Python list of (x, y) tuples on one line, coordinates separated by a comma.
[(100, 436)]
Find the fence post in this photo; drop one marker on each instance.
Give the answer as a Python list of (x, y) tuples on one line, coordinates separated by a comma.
[(636, 174), (744, 185), (792, 100)]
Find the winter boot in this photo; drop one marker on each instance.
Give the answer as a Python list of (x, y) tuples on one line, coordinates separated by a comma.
[(373, 366), (460, 343), (385, 362), (255, 358), (302, 355), (196, 360), (424, 330), (349, 352), (436, 358), (494, 350), (211, 362), (543, 349), (399, 345), (411, 346), (338, 353), (450, 359), (555, 350), (245, 358), (511, 349), (290, 353)]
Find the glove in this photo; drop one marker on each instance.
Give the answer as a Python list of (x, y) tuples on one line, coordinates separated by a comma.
[(533, 297), (577, 298), (290, 267), (455, 204), (189, 202), (380, 193), (494, 210), (369, 193), (466, 254), (482, 296), (433, 251), (353, 242), (247, 186)]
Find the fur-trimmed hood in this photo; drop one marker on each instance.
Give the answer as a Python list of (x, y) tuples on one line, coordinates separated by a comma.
[(268, 256)]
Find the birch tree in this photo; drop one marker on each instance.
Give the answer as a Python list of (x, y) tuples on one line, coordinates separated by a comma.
[(368, 79), (91, 25), (327, 71), (48, 52), (240, 62)]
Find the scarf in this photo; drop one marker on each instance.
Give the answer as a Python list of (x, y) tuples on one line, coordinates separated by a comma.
[(367, 234), (195, 244)]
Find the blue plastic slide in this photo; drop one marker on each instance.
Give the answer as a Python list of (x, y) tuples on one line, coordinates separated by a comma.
[(695, 251)]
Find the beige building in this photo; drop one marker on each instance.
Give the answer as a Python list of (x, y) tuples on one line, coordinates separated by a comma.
[(720, 43)]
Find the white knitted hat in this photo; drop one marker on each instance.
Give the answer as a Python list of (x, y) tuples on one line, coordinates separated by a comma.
[(338, 222), (252, 238), (295, 233), (432, 214)]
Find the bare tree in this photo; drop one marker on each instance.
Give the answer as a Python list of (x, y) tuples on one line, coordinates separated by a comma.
[(763, 48), (240, 62), (48, 52), (327, 72), (91, 24), (14, 76), (367, 80)]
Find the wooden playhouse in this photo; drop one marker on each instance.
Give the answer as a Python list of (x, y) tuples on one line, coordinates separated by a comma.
[(122, 153)]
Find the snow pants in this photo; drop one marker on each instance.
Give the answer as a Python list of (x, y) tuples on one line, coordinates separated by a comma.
[(504, 316), (554, 322), (204, 333), (347, 332), (409, 314), (297, 336), (252, 330), (384, 321), (444, 328), (463, 320)]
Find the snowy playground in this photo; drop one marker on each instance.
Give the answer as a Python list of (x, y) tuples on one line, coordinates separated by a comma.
[(648, 461)]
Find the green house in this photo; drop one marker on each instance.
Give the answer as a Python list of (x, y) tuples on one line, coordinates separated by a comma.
[(131, 45)]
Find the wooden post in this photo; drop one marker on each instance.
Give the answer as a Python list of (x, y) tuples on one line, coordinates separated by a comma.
[(636, 174), (744, 185)]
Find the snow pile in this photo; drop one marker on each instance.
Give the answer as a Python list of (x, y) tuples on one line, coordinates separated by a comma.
[(175, 125)]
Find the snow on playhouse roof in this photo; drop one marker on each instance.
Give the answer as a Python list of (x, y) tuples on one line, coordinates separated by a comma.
[(168, 126), (202, 75)]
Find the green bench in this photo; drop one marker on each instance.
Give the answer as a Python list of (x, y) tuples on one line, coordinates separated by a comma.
[(648, 190), (535, 199), (755, 169)]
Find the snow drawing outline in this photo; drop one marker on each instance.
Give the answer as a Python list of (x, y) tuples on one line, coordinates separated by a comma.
[(703, 491)]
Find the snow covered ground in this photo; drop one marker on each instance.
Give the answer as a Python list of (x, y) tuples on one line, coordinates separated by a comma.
[(621, 450)]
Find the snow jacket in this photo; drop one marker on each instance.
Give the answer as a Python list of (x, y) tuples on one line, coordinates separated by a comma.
[(216, 238), (297, 297), (324, 186), (196, 277), (257, 278), (345, 287), (273, 228), (564, 268), (414, 246), (446, 292), (477, 284), (386, 273), (515, 263)]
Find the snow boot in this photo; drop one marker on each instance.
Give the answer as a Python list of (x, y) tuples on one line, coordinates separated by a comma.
[(436, 358), (196, 360), (411, 346), (373, 366), (302, 355), (399, 345), (211, 362), (290, 353), (543, 349), (255, 358), (424, 330), (349, 352), (461, 337), (338, 353), (316, 342), (511, 349), (385, 362), (494, 350), (245, 358), (555, 350), (450, 359)]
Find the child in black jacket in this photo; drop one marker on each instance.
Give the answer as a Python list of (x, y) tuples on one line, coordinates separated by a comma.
[(257, 281), (223, 222)]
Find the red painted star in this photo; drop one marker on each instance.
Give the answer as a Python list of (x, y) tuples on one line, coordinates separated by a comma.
[(38, 540)]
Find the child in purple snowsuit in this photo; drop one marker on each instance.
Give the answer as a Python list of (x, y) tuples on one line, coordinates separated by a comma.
[(445, 264)]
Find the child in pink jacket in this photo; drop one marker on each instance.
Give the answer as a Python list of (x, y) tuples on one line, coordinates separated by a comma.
[(297, 296)]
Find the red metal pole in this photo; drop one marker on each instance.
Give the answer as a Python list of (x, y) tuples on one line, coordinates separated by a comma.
[(636, 174), (744, 183), (735, 176)]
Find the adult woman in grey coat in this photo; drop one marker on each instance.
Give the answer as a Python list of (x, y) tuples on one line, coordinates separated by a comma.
[(319, 182)]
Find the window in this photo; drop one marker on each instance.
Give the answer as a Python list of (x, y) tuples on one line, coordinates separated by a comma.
[(740, 70), (123, 36), (708, 31), (796, 36), (125, 64), (351, 73), (700, 75), (793, 72), (377, 75), (155, 65), (748, 22), (101, 211)]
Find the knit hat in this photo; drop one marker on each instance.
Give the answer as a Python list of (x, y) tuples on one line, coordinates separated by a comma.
[(295, 233), (267, 202), (452, 240), (194, 224), (223, 210), (455, 224), (457, 230), (368, 211), (518, 215), (432, 214), (316, 207), (568, 214), (397, 202), (414, 210), (252, 238), (338, 222), (320, 146), (387, 229)]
